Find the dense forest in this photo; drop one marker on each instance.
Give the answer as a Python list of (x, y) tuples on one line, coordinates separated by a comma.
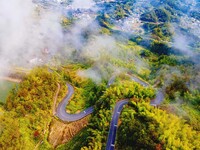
[(144, 127), (28, 110)]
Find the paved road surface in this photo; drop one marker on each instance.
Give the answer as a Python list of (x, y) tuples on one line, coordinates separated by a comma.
[(159, 98), (61, 110), (118, 108), (113, 124), (63, 115)]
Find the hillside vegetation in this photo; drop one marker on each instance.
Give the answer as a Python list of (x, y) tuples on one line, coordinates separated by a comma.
[(28, 111), (156, 42)]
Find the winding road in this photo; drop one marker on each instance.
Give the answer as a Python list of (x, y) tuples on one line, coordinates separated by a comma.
[(119, 106), (113, 124), (61, 110), (64, 116)]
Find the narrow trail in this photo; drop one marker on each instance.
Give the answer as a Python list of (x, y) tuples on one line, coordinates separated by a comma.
[(55, 99)]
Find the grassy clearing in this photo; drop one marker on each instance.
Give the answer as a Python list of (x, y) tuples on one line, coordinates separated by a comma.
[(5, 87)]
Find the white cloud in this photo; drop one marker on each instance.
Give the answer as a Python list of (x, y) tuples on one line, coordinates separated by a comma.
[(83, 4), (24, 33)]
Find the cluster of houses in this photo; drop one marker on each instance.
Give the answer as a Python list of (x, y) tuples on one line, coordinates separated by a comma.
[(191, 24), (45, 53), (130, 24)]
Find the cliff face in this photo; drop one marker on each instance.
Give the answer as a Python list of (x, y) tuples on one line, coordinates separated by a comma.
[(61, 132)]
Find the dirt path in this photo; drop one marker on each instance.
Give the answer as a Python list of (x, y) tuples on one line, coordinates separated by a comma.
[(53, 111), (11, 79), (55, 99)]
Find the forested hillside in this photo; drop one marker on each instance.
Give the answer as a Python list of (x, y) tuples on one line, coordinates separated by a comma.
[(129, 69), (28, 111)]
